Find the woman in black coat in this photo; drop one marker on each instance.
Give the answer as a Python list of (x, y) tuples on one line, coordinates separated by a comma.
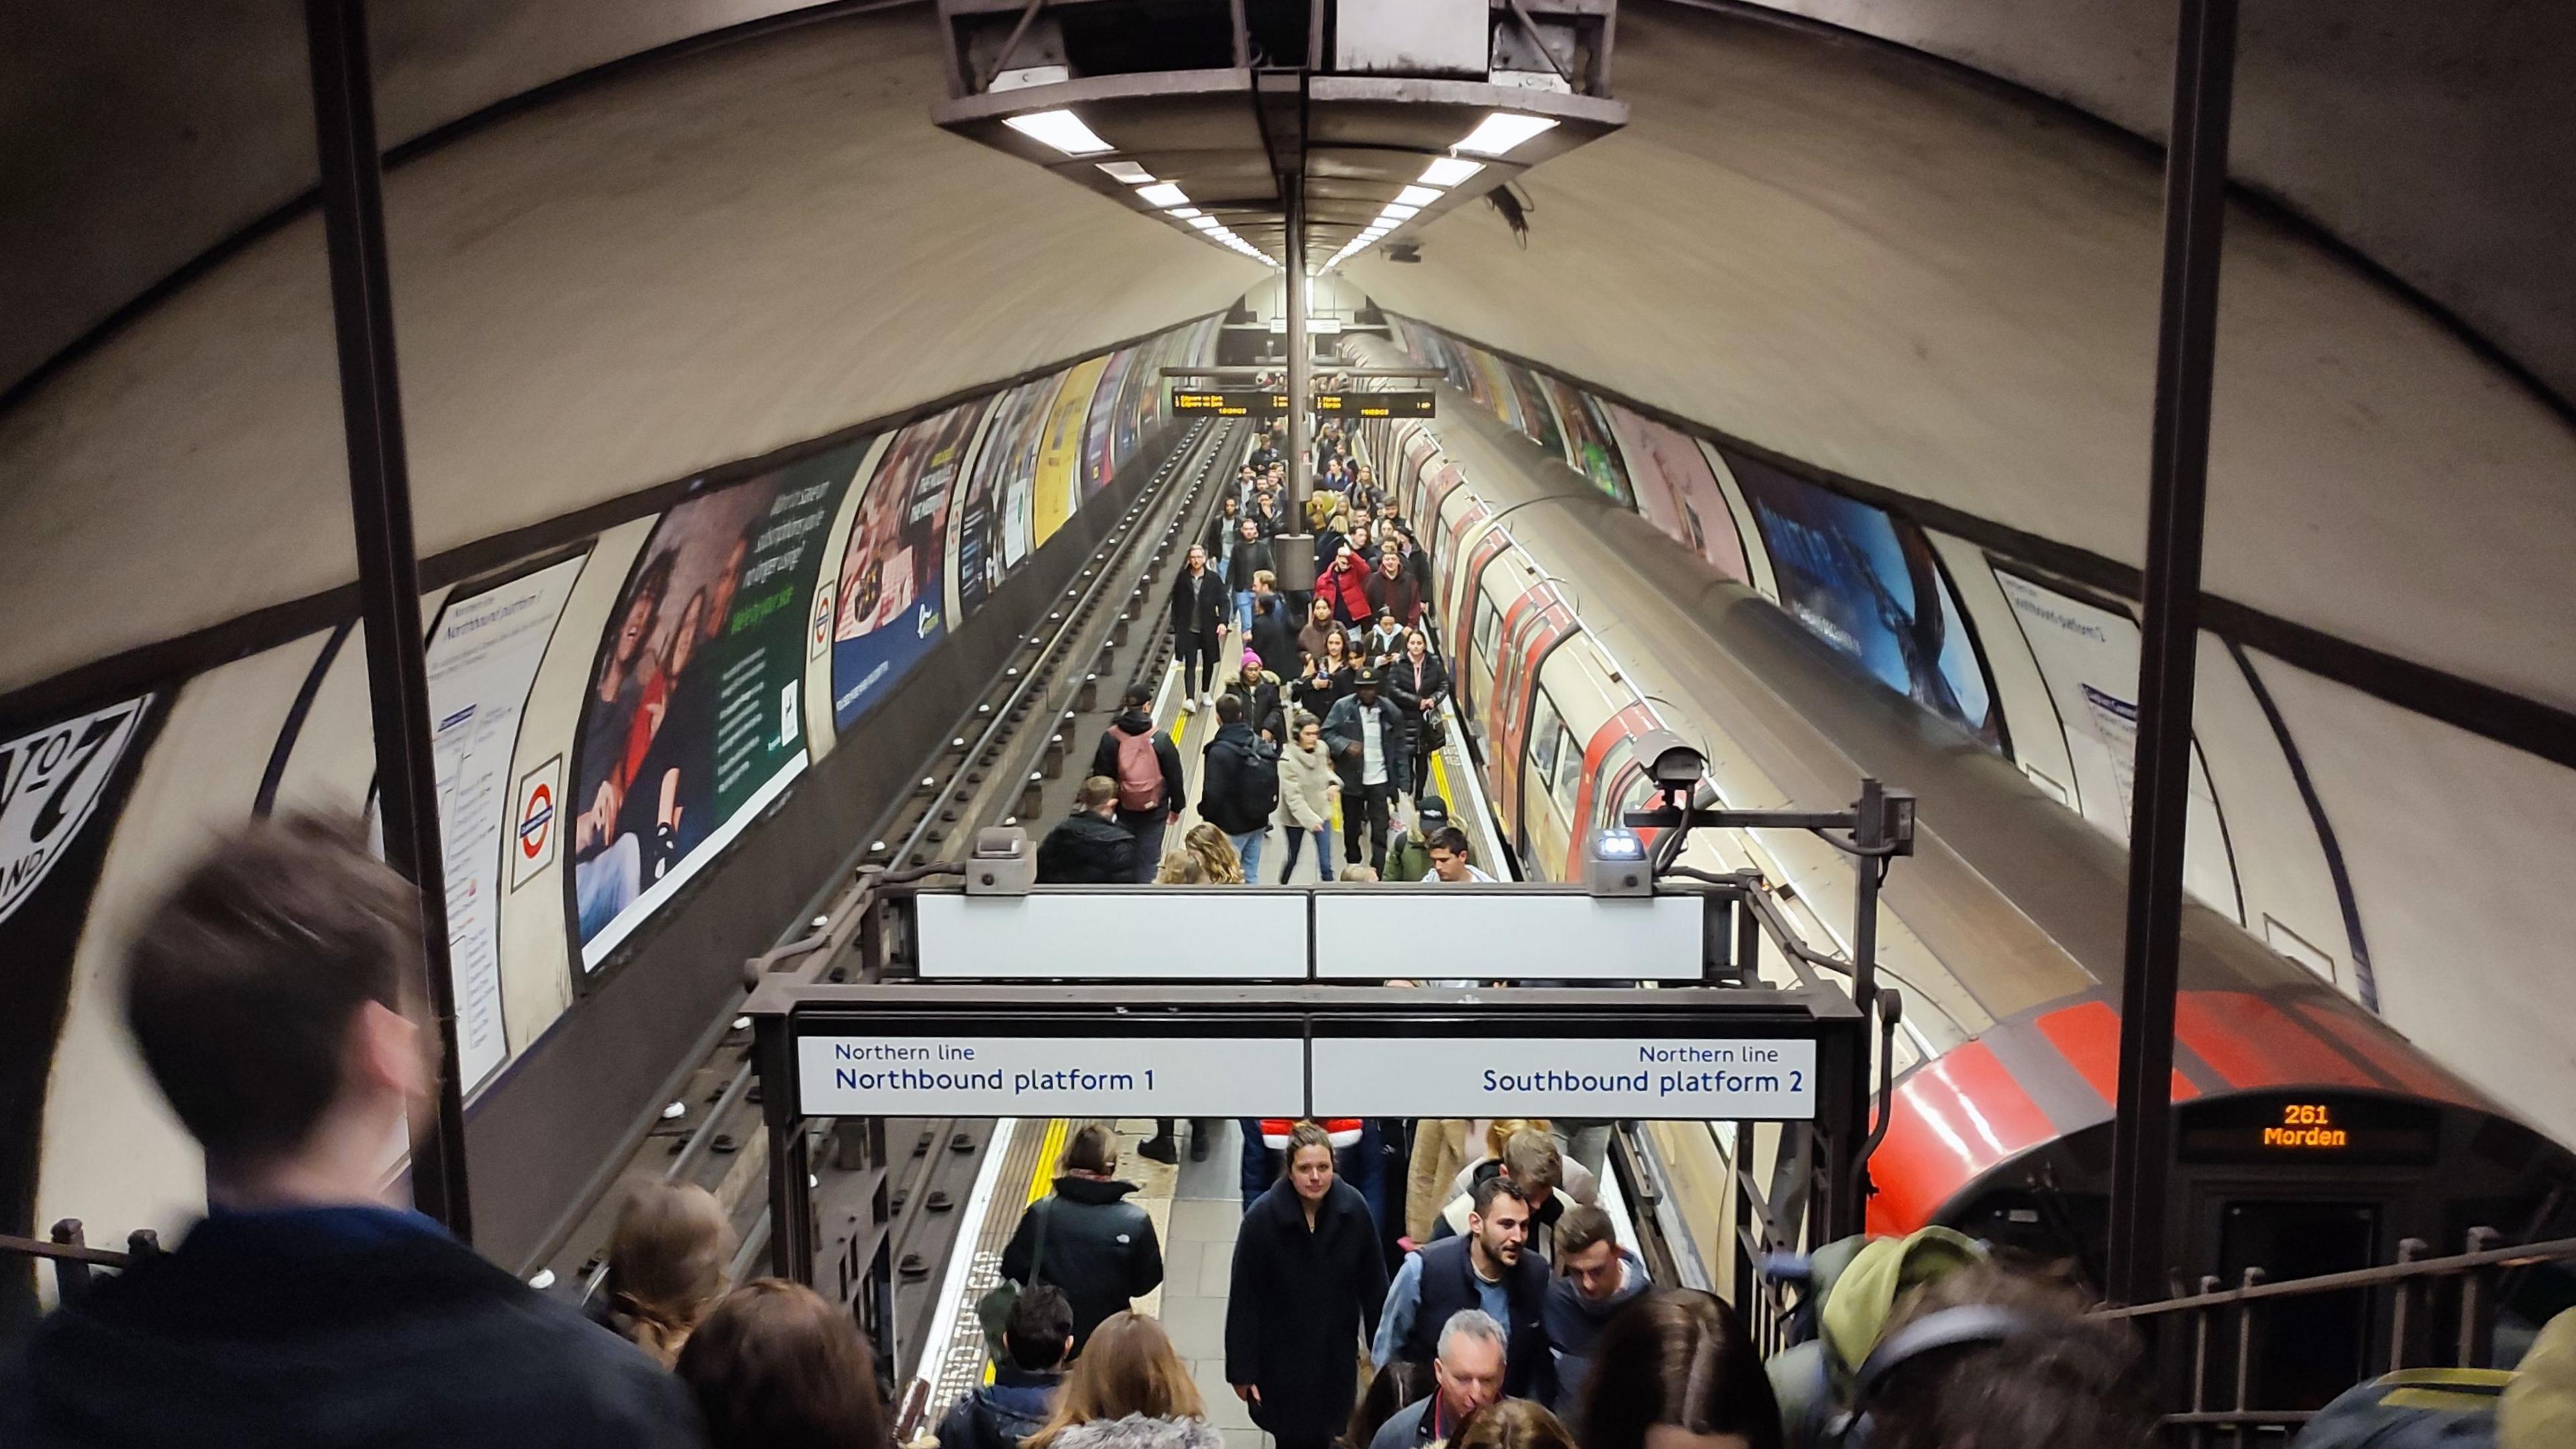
[(1309, 1280), (1417, 683)]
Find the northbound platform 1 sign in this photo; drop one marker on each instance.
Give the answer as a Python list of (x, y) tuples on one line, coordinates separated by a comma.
[(977, 1073)]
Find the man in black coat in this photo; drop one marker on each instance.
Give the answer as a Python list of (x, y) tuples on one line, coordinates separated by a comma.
[(272, 997), (1308, 1280), (1251, 558), (1274, 629), (1200, 608), (1366, 736), (1239, 784), (1100, 1248), (1089, 847)]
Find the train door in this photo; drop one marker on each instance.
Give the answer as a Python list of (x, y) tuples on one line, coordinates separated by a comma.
[(1483, 620), (1535, 623), (2306, 1349), (1544, 830), (1610, 782)]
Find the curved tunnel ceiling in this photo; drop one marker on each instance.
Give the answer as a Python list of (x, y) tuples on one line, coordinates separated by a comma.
[(695, 263), (1885, 268)]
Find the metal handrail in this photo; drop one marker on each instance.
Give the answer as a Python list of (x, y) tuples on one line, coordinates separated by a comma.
[(2556, 1250)]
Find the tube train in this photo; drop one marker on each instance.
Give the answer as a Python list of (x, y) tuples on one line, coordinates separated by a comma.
[(2310, 1137)]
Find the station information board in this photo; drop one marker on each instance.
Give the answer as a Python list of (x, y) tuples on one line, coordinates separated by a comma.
[(1230, 402), (1655, 1078), (1376, 404)]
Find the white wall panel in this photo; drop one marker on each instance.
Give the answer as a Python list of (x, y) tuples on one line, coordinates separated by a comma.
[(2459, 850)]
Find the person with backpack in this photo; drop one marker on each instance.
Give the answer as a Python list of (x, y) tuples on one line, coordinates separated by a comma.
[(1409, 858), (1026, 1379), (1147, 767), (1240, 785), (1086, 1238)]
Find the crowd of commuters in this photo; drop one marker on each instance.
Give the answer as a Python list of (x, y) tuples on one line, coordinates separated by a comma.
[(1327, 701), (274, 997)]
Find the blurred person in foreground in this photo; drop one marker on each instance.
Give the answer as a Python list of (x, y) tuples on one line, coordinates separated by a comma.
[(1025, 1384), (274, 996), (666, 1265), (1675, 1370)]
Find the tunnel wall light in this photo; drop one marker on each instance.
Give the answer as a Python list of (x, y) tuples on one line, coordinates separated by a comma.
[(1061, 129), (1502, 131)]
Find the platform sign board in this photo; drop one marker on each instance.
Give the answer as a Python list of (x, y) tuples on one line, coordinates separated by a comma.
[(1405, 1073), (1409, 404), (1062, 1067), (1230, 402), (1514, 933), (1092, 933)]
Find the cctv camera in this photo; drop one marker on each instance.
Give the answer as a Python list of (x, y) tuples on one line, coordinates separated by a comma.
[(1670, 761)]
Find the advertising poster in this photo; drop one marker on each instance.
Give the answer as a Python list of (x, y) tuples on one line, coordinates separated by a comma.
[(893, 589), (995, 525), (1490, 387), (1591, 448), (1868, 585), (1676, 489), (61, 789), (1537, 419), (1060, 453), (2088, 656), (482, 658), (1100, 453), (693, 719)]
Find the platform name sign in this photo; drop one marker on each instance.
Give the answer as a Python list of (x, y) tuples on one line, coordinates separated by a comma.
[(976, 1074), (1648, 1078)]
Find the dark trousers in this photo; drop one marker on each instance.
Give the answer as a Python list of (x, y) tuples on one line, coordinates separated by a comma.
[(1370, 801), (1197, 653), (1147, 827)]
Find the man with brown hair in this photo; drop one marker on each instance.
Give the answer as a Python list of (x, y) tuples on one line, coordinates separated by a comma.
[(274, 996), (1595, 1279), (1097, 1246), (1089, 846)]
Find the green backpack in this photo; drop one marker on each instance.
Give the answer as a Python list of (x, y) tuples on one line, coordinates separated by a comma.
[(994, 1309)]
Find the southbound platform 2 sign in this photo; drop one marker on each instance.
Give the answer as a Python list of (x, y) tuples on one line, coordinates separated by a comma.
[(976, 1072)]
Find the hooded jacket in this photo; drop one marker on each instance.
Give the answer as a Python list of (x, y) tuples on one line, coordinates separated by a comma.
[(1104, 760), (326, 1326), (1574, 1324), (1139, 1432), (1101, 1249)]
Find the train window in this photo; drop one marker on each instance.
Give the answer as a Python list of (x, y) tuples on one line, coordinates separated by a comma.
[(1569, 771), (1545, 730), (1488, 625)]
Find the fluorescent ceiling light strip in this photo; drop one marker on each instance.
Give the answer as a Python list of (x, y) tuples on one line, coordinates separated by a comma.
[(1128, 171), (1502, 131), (1061, 129), (1449, 171), (1417, 196), (1397, 211), (1162, 193), (1204, 223), (1185, 212)]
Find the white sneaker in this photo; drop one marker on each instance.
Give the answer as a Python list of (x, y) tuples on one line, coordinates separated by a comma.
[(1189, 705), (1207, 696)]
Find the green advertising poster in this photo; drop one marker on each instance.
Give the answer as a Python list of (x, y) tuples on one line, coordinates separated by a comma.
[(694, 717)]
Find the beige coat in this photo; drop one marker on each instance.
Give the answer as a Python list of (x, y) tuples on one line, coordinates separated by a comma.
[(1306, 783)]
